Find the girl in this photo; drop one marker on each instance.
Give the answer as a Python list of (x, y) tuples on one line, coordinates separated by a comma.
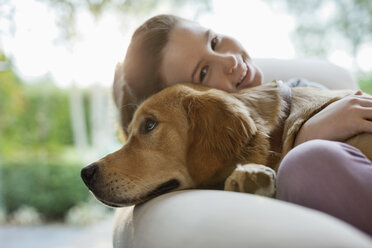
[(319, 173)]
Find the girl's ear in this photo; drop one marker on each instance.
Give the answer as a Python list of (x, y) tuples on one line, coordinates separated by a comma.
[(220, 125)]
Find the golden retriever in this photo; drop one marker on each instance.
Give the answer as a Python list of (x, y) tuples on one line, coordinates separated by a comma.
[(191, 136)]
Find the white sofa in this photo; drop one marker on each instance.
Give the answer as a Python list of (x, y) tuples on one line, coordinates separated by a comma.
[(209, 218)]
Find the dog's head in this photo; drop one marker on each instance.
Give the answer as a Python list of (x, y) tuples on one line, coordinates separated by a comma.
[(186, 136)]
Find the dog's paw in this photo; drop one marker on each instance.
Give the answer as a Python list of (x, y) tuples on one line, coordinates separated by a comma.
[(252, 178)]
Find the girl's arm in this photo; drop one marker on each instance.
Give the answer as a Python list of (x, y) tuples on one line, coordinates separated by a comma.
[(340, 120)]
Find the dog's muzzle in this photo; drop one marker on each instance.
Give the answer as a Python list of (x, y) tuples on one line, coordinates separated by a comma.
[(89, 174)]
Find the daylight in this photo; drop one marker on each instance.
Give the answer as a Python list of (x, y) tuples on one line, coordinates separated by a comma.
[(34, 41), (103, 146)]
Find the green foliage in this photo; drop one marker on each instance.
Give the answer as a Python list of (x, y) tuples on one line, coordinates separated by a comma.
[(35, 129), (11, 98), (365, 83), (47, 114), (34, 117), (51, 188)]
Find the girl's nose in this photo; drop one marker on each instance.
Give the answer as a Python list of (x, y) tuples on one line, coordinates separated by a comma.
[(230, 63)]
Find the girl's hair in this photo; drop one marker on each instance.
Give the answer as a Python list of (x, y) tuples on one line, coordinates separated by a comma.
[(146, 48)]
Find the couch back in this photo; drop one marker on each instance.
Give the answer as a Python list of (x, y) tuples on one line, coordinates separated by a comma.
[(320, 71)]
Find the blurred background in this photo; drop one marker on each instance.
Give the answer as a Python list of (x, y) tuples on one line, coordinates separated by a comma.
[(57, 61)]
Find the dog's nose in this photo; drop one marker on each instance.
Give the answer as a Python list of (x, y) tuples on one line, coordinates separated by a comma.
[(89, 173)]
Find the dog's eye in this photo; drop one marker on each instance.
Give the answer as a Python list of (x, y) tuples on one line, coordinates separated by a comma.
[(148, 125)]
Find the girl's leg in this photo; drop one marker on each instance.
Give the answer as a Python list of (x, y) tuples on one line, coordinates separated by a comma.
[(329, 176)]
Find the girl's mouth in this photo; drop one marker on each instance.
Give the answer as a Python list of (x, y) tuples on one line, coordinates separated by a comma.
[(245, 75)]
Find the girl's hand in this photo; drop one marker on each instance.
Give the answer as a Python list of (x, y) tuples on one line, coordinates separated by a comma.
[(340, 120)]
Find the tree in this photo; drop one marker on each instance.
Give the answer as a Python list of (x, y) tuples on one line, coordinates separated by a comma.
[(323, 22), (68, 9), (33, 117), (87, 134)]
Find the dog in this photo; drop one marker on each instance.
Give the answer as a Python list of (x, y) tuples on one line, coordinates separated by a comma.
[(191, 136)]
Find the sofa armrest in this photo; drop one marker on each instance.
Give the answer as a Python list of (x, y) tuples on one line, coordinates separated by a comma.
[(220, 219), (320, 71)]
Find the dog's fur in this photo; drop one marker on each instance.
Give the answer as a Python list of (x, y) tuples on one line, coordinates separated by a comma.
[(191, 136)]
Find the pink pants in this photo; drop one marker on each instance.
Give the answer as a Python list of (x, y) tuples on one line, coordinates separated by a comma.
[(329, 176)]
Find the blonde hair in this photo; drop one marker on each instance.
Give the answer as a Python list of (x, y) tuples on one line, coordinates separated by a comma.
[(147, 44)]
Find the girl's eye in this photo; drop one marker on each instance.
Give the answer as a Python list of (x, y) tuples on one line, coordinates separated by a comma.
[(214, 42), (203, 73)]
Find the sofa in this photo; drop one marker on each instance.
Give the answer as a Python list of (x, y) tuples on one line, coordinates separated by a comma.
[(211, 218)]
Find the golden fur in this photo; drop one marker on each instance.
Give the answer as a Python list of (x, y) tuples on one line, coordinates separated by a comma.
[(191, 136)]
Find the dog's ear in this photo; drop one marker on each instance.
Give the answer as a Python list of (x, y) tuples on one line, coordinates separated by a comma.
[(219, 124)]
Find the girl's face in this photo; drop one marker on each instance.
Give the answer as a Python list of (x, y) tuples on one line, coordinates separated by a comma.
[(198, 55)]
